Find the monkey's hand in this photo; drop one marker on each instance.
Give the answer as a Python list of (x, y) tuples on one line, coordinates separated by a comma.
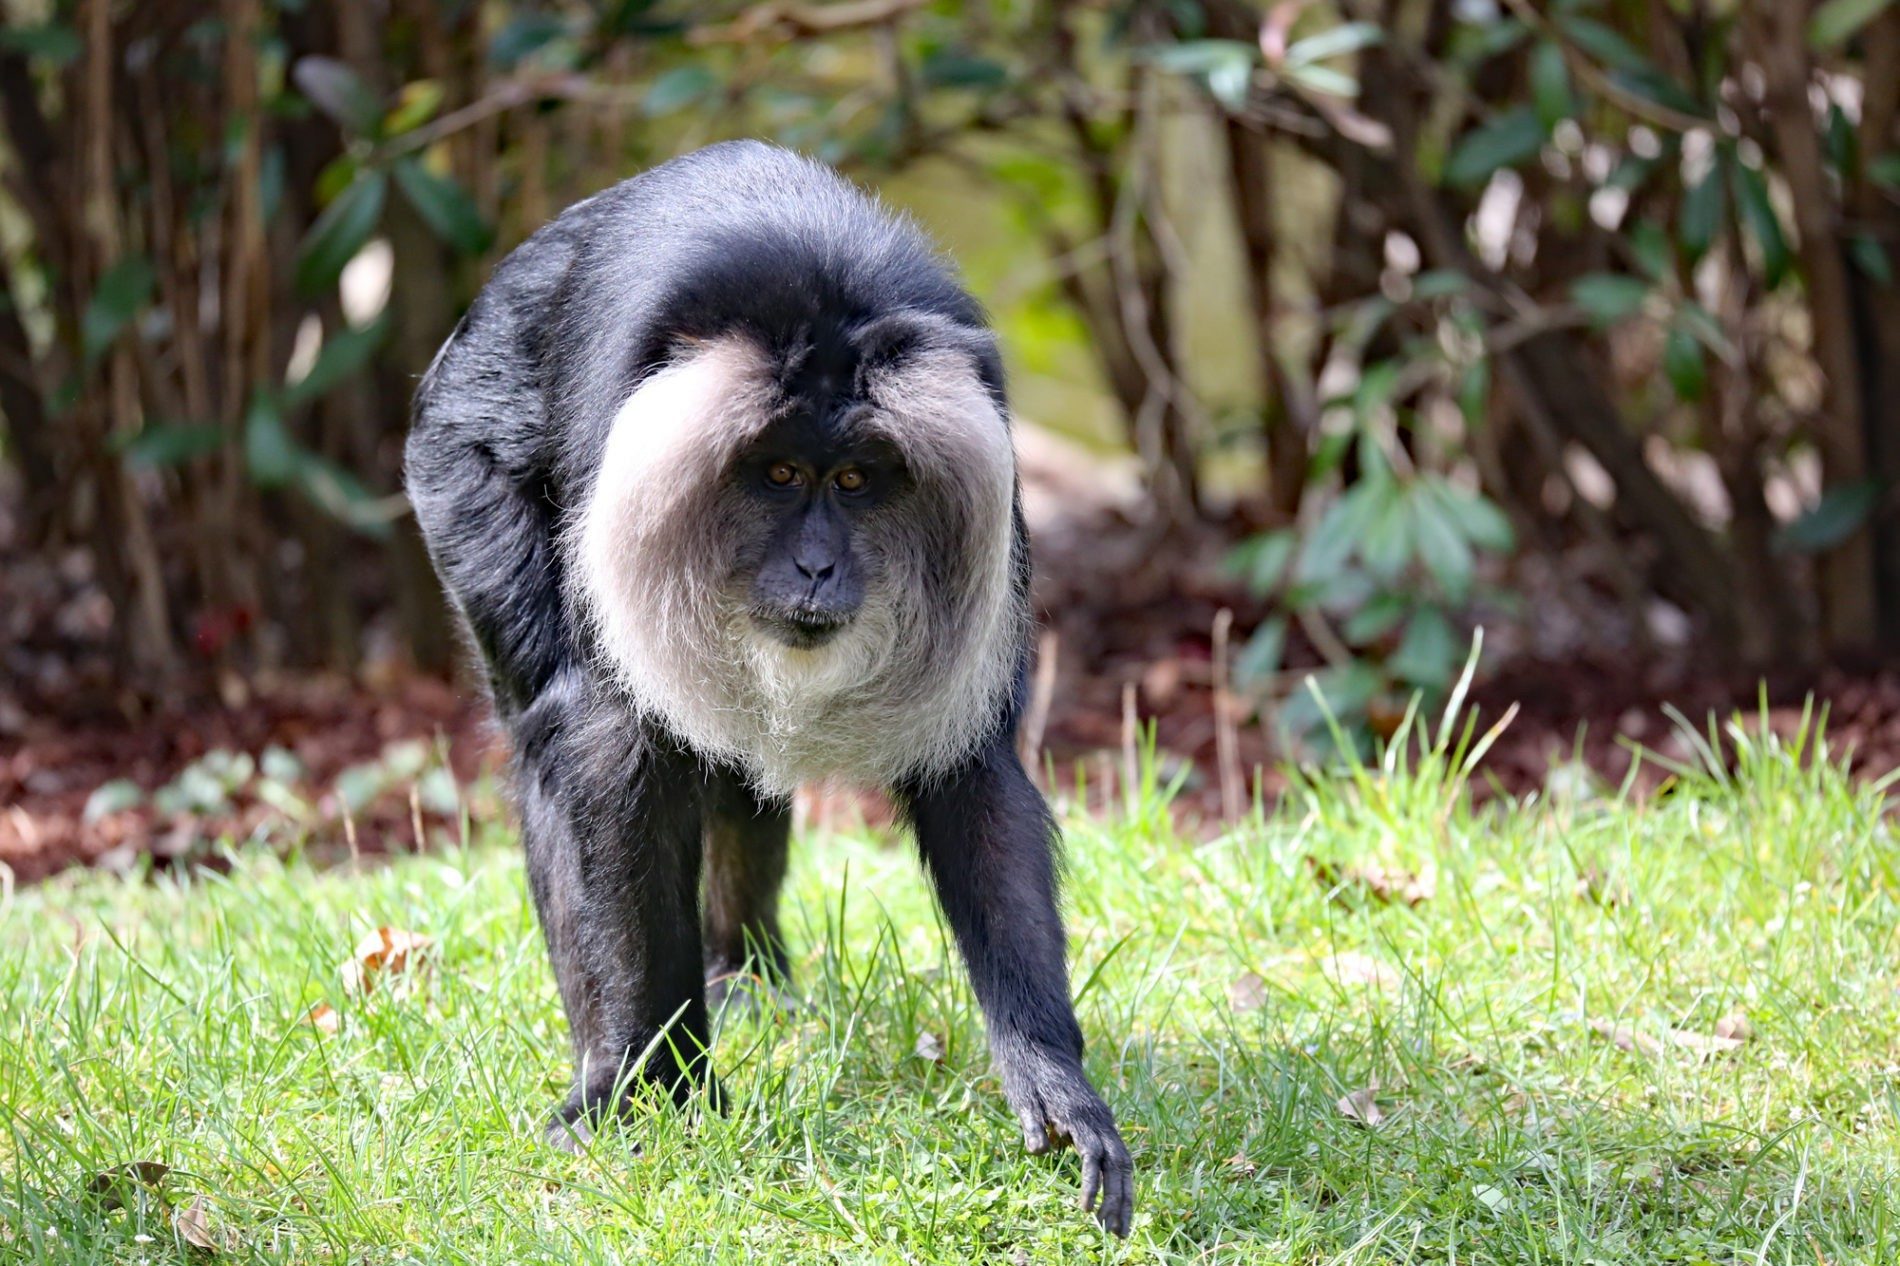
[(1057, 1106)]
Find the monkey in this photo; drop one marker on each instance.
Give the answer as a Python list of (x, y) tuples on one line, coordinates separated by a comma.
[(717, 473)]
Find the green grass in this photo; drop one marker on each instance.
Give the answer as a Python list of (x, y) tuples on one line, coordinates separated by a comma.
[(159, 1020)]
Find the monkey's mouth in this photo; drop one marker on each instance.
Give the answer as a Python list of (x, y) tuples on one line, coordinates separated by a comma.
[(801, 628)]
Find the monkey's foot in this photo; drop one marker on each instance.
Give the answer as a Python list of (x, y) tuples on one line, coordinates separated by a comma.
[(1057, 1107), (750, 994)]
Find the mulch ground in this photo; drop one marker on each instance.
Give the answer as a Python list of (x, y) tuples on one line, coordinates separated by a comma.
[(1129, 623)]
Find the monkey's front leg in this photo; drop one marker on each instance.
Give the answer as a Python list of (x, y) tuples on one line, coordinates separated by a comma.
[(987, 841), (612, 833)]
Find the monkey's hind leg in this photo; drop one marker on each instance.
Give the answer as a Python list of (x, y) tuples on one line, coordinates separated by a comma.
[(747, 839), (612, 835)]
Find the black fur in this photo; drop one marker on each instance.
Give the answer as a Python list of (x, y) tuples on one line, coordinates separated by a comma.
[(627, 830)]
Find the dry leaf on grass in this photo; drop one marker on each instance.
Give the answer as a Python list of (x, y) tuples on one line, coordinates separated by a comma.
[(1361, 1107), (1248, 992), (194, 1226), (323, 1018), (386, 951), (1239, 1163), (1354, 968), (117, 1187), (929, 1046), (1628, 1039), (1600, 889), (1734, 1026), (1387, 887)]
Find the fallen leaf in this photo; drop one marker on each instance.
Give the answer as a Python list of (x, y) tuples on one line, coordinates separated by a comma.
[(386, 951), (194, 1227), (1387, 887), (323, 1018), (1248, 992), (1598, 888), (118, 1186), (1491, 1197), (1735, 1025), (1239, 1163), (1361, 1107), (1626, 1038), (929, 1046), (1629, 1039), (1701, 1043), (1355, 968)]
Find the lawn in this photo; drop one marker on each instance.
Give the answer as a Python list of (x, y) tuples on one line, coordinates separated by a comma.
[(1376, 1025)]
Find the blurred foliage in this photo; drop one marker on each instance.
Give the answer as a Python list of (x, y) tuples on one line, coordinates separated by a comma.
[(1391, 289)]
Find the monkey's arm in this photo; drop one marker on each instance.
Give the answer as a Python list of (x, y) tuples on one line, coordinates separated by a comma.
[(987, 841)]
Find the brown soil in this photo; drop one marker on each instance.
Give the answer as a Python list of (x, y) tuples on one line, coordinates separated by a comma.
[(1129, 621)]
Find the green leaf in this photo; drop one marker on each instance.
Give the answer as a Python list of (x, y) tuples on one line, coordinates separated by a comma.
[(1758, 213), (1550, 85), (1703, 205), (51, 42), (954, 68), (1444, 549), (1475, 515), (1386, 545), (677, 89), (115, 796), (525, 35), (1650, 245), (1502, 141), (166, 444), (1223, 67), (448, 211), (1263, 653), (1870, 257), (270, 454), (1194, 57), (1321, 79), (1261, 561), (343, 355), (1607, 298), (1377, 382), (415, 105), (1429, 652), (343, 495), (1337, 41), (1653, 85), (1683, 363), (1337, 534), (1836, 21), (1885, 170), (339, 92), (1374, 620), (1440, 283), (341, 231), (1603, 43), (121, 295), (1474, 390), (1835, 518)]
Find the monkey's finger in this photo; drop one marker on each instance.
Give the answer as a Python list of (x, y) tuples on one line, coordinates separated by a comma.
[(1092, 1180), (1035, 1136), (1118, 1199)]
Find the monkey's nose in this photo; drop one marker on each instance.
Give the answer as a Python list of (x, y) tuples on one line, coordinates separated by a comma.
[(816, 572)]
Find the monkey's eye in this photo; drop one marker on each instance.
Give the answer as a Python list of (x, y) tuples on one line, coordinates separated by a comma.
[(782, 474), (850, 479)]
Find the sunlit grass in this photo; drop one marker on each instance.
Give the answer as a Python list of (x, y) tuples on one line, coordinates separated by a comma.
[(1233, 992)]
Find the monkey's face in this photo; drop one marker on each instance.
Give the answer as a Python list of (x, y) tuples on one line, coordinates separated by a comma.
[(815, 490)]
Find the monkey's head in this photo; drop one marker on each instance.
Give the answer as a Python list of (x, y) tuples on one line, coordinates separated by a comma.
[(800, 555)]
